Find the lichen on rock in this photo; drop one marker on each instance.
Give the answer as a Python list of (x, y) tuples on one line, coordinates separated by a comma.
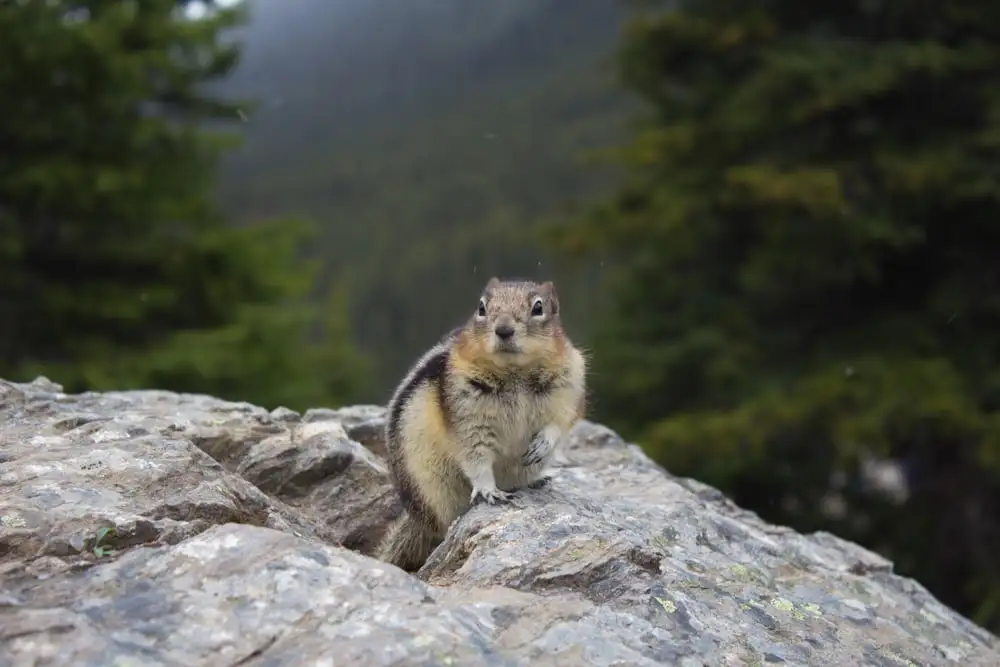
[(154, 528)]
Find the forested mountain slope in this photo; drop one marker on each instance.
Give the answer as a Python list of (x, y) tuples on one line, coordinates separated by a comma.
[(427, 138)]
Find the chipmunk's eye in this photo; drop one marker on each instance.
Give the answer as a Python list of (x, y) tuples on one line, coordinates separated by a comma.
[(482, 308), (536, 308)]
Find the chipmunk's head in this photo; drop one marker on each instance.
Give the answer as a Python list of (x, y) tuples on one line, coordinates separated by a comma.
[(517, 321)]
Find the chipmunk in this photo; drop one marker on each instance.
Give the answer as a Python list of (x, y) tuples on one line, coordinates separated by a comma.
[(480, 414)]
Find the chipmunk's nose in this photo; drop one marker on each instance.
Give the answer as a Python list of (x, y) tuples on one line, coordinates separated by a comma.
[(503, 330)]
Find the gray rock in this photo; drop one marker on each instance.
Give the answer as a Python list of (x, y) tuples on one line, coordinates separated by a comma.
[(337, 483), (115, 471), (157, 467), (241, 593), (363, 423), (230, 546)]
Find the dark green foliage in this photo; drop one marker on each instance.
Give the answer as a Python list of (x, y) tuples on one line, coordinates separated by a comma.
[(808, 277), (116, 270), (464, 124)]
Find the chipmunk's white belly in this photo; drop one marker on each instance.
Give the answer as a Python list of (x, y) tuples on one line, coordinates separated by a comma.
[(516, 419)]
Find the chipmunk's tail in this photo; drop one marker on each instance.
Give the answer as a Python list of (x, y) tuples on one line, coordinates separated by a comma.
[(408, 542)]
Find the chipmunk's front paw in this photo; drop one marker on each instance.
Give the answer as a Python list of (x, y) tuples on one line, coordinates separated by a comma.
[(541, 446), (492, 496)]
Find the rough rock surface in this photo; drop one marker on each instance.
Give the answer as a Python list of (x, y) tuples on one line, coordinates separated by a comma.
[(150, 528)]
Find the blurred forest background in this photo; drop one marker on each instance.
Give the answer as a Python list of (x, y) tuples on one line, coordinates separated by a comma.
[(775, 225)]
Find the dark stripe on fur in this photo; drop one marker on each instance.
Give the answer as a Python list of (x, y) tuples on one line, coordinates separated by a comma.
[(432, 371), (541, 384), (442, 396), (482, 387), (538, 383)]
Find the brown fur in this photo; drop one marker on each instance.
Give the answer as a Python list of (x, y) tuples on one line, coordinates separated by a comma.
[(467, 419)]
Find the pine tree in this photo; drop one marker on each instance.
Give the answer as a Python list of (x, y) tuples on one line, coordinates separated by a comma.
[(806, 270), (116, 268)]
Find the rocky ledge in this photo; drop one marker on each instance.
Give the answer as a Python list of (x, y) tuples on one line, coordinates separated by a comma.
[(151, 528)]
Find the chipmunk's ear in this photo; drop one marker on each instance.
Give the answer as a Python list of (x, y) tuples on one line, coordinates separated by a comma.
[(492, 284)]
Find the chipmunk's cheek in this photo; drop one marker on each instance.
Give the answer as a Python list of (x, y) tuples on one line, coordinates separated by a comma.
[(531, 345)]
